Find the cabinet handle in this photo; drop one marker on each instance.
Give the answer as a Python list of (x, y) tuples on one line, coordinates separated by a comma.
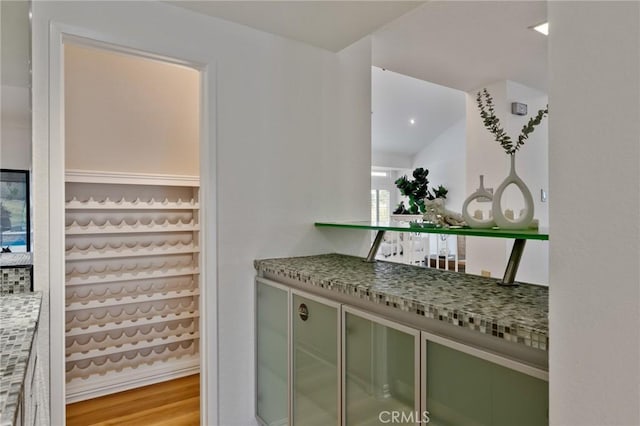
[(303, 311)]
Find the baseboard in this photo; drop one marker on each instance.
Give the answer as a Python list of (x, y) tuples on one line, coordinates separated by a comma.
[(114, 382)]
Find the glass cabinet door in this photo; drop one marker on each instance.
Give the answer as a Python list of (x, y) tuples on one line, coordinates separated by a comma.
[(315, 388), (381, 371), (463, 389), (271, 354)]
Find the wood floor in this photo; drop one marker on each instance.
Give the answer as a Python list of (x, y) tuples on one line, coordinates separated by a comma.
[(172, 403)]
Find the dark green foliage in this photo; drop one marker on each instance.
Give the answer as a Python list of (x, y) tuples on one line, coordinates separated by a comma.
[(401, 209), (440, 192), (492, 123), (417, 190)]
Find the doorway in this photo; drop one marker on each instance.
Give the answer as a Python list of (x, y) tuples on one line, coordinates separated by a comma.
[(133, 221)]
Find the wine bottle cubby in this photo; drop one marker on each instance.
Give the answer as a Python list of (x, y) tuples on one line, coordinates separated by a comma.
[(132, 282)]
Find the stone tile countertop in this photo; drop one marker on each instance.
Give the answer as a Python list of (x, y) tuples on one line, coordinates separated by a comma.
[(18, 320), (517, 314), (12, 260)]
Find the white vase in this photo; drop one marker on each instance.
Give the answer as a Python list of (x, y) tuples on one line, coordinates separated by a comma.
[(526, 215), (481, 192)]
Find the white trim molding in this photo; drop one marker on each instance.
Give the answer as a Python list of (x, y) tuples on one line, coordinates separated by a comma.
[(129, 178), (114, 382), (53, 26)]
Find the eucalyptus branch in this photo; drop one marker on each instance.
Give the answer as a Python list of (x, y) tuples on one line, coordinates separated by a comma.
[(528, 128), (492, 123)]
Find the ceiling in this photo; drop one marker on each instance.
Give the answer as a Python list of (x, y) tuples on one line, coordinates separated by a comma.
[(459, 44), (467, 44), (331, 25), (396, 98), (463, 45)]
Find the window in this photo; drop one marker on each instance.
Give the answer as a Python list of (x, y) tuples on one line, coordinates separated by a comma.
[(380, 209), (14, 210), (374, 205)]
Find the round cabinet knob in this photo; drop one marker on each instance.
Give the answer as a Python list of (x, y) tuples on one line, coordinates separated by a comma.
[(303, 311)]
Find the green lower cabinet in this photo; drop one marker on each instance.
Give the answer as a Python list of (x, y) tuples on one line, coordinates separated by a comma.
[(315, 344), (466, 390), (272, 406), (381, 371), (349, 367)]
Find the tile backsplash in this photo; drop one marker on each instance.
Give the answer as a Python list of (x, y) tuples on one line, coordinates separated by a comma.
[(15, 280)]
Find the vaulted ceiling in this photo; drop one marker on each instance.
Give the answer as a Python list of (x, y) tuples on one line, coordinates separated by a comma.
[(459, 44), (462, 45), (331, 25), (397, 99), (467, 44)]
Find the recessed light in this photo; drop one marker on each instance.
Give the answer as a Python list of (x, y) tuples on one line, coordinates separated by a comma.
[(542, 28), (379, 174), (412, 121)]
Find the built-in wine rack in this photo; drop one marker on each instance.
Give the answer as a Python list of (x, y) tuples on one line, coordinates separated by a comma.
[(132, 281)]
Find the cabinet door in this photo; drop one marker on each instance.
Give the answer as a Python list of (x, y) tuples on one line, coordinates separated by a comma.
[(472, 387), (315, 354), (272, 390), (381, 370)]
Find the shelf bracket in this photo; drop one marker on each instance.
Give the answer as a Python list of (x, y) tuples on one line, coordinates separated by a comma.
[(513, 263), (510, 271), (371, 257)]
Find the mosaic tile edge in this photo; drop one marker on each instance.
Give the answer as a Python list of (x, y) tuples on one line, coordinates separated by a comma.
[(516, 330)]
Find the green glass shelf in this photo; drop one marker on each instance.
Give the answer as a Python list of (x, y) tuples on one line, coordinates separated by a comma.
[(523, 234)]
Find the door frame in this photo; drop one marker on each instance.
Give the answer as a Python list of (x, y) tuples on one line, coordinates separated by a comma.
[(59, 34)]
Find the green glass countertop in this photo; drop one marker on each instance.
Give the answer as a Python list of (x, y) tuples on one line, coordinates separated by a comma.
[(525, 234)]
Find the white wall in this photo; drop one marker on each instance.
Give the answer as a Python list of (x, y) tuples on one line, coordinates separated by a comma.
[(130, 114), (15, 115), (486, 157), (14, 40), (594, 156), (15, 128), (391, 160), (445, 158), (284, 111)]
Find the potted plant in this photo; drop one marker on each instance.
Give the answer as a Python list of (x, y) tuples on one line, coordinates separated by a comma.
[(418, 192)]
